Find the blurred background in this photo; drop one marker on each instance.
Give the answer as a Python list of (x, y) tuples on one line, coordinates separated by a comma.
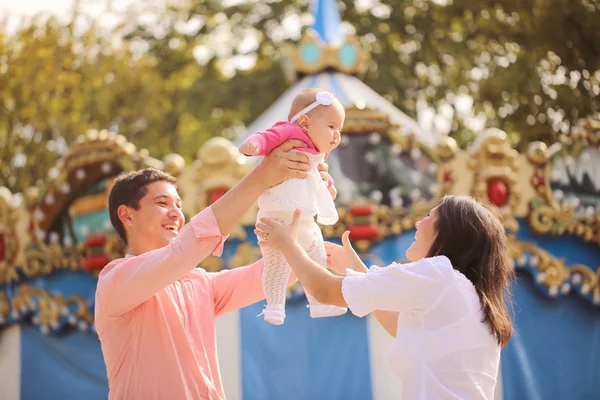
[(497, 99), (168, 75)]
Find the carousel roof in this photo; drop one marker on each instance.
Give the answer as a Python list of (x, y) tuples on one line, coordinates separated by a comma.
[(351, 92), (328, 59)]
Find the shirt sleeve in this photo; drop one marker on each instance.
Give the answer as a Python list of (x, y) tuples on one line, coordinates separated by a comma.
[(398, 287), (237, 288), (125, 284), (270, 139)]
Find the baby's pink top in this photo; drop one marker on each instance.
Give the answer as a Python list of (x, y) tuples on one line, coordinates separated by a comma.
[(155, 316), (279, 133)]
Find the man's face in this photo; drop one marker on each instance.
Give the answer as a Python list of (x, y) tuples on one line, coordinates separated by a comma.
[(158, 219)]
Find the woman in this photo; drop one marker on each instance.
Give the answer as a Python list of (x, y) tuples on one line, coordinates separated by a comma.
[(446, 308)]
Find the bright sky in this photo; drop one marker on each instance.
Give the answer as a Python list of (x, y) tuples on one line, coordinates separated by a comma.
[(16, 9)]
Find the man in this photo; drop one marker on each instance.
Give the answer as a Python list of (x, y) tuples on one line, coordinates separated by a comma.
[(155, 311)]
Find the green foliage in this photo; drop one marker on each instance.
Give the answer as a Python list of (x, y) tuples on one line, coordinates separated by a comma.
[(208, 67), (54, 86)]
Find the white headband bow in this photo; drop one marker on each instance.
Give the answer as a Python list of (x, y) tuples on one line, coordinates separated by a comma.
[(323, 99)]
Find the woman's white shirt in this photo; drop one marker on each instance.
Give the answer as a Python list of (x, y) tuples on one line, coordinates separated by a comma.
[(442, 349)]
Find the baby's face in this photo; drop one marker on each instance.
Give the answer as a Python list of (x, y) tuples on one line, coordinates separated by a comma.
[(325, 126)]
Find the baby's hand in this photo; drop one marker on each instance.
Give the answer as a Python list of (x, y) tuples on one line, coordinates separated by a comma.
[(249, 149)]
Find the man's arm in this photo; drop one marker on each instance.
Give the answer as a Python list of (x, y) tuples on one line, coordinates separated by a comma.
[(237, 288), (275, 168), (127, 283)]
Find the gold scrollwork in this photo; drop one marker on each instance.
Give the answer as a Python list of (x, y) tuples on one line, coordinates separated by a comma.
[(9, 240), (547, 215), (51, 308), (327, 57), (494, 163), (555, 274)]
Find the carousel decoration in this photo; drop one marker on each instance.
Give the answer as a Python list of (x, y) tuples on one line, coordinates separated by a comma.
[(218, 168), (78, 188), (567, 182), (553, 276), (9, 239), (51, 313), (402, 179), (65, 228), (495, 179), (313, 55)]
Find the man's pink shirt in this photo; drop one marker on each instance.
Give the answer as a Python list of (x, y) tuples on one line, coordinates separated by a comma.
[(155, 316)]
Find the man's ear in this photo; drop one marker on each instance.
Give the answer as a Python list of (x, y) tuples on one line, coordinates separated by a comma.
[(304, 121), (124, 214)]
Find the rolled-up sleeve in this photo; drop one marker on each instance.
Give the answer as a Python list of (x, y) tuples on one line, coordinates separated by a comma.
[(398, 287), (126, 283)]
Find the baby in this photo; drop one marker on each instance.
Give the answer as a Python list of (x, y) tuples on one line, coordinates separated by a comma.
[(316, 117)]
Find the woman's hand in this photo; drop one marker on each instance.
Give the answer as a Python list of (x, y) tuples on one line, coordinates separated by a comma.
[(273, 235), (341, 257)]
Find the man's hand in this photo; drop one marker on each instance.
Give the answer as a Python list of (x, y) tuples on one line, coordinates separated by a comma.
[(282, 164), (249, 149)]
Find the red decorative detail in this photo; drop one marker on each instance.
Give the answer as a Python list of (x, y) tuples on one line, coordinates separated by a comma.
[(361, 210), (497, 191), (2, 247), (363, 232), (216, 194), (448, 176), (95, 262), (95, 240), (541, 181), (94, 252)]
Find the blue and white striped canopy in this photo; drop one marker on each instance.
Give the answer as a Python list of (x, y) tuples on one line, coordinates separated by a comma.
[(351, 92)]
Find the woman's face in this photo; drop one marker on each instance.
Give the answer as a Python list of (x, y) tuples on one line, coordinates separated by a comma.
[(424, 237)]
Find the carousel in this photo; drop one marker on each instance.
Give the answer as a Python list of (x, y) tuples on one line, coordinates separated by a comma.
[(389, 173)]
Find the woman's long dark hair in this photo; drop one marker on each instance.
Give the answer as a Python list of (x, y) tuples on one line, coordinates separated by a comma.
[(473, 238)]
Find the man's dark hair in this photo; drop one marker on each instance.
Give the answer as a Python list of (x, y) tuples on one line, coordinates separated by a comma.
[(129, 189)]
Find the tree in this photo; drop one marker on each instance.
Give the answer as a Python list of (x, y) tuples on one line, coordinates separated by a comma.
[(55, 85), (528, 67), (206, 68)]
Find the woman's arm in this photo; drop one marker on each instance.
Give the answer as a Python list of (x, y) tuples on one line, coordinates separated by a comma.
[(411, 287), (325, 287), (341, 257), (388, 320)]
